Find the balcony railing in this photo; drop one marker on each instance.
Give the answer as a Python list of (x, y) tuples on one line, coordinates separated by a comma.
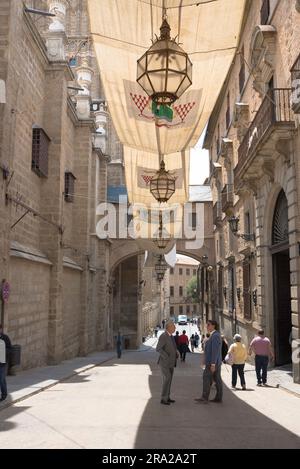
[(227, 197), (275, 109), (217, 213), (295, 99), (265, 12)]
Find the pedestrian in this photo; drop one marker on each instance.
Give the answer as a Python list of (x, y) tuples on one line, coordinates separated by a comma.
[(196, 340), (238, 352), (156, 330), (192, 342), (183, 345), (119, 345), (177, 339), (224, 347), (5, 348), (213, 362), (163, 323), (262, 348), (168, 355)]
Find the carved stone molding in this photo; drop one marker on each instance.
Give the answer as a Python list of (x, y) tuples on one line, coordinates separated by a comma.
[(249, 185), (268, 168), (241, 119), (263, 48), (283, 147), (227, 149)]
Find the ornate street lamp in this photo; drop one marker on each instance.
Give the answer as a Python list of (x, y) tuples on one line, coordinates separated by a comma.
[(165, 70), (162, 184), (234, 226)]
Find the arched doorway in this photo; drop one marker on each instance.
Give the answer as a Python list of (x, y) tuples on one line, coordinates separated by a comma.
[(281, 281), (124, 300)]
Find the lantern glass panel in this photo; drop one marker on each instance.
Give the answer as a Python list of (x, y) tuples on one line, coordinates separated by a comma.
[(157, 61), (141, 65), (174, 82), (145, 84), (177, 62)]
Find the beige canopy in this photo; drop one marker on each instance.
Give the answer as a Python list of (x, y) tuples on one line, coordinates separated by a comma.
[(122, 31)]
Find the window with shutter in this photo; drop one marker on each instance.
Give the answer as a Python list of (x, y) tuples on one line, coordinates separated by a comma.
[(220, 287), (69, 187), (40, 146), (265, 12), (247, 290)]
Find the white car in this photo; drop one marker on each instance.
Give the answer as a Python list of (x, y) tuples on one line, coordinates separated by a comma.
[(182, 319)]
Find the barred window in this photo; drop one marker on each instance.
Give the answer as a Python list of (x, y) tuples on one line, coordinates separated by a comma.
[(40, 146), (69, 186)]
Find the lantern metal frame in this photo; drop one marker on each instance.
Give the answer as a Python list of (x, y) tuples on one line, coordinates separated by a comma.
[(162, 184), (164, 64)]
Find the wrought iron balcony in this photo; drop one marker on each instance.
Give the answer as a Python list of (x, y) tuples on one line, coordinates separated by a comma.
[(217, 213), (227, 197), (295, 72), (274, 121)]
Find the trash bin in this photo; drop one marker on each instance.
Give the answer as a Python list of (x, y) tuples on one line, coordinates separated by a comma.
[(14, 359)]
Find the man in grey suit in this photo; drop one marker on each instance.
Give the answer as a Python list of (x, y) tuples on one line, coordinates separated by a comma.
[(168, 354), (213, 362)]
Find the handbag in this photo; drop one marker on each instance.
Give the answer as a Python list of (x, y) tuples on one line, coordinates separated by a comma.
[(229, 359)]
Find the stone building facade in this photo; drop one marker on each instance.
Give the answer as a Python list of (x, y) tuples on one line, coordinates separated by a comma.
[(56, 144), (183, 272), (254, 143)]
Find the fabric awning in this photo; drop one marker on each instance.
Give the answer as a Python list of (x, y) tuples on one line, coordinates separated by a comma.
[(122, 31)]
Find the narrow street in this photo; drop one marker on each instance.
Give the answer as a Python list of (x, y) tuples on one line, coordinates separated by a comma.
[(117, 405)]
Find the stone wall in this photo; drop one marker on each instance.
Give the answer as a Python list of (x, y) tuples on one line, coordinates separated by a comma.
[(28, 309)]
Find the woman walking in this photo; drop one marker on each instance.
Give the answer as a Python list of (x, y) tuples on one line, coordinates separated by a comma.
[(239, 355)]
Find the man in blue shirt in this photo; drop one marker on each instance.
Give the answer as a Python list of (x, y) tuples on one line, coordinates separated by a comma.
[(213, 362)]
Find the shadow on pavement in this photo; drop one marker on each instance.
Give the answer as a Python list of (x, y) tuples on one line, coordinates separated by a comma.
[(186, 424)]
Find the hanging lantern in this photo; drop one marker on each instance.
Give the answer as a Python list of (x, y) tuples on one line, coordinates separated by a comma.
[(162, 184), (160, 276), (162, 237), (161, 267), (165, 70)]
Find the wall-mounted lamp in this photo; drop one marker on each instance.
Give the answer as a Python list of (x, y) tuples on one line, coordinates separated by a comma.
[(234, 226)]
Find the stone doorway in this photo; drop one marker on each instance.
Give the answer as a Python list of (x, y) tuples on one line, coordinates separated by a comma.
[(281, 282), (282, 307)]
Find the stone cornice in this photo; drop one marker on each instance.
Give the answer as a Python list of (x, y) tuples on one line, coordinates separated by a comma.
[(35, 35), (61, 66)]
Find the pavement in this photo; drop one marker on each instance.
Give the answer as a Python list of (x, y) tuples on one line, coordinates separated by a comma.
[(100, 401)]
